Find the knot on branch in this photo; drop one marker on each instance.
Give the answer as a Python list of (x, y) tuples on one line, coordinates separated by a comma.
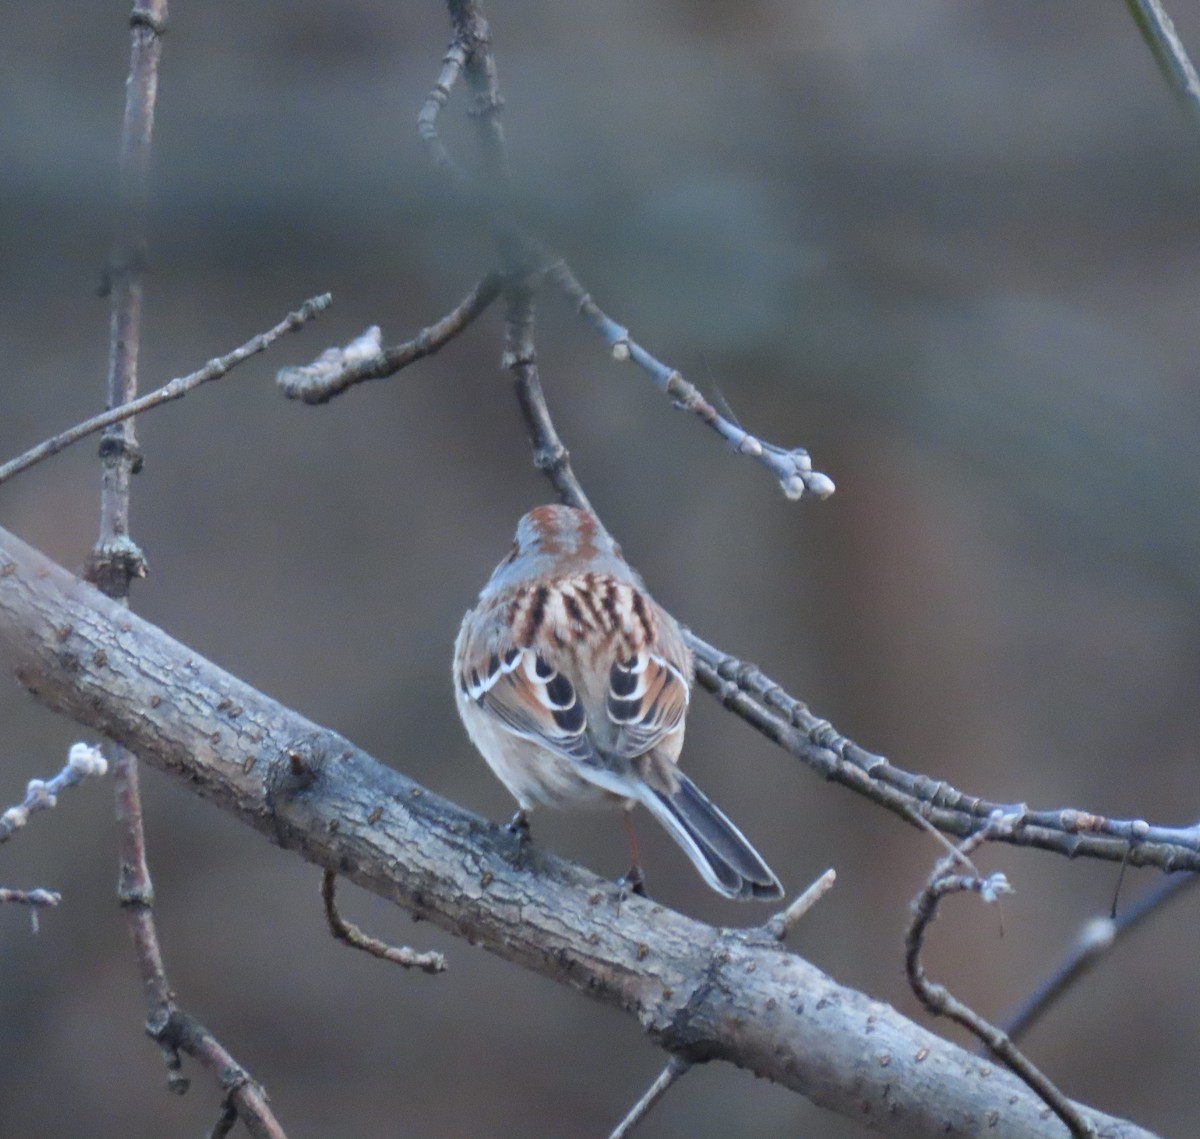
[(297, 767), (335, 370), (133, 262), (114, 564), (115, 448), (175, 1032), (486, 104), (146, 18)]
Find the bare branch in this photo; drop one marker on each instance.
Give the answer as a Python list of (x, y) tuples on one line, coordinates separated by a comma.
[(941, 1002), (116, 561), (793, 468), (215, 369), (176, 1032), (349, 934), (676, 1067), (1164, 43), (452, 64), (472, 31), (1097, 937), (527, 261), (766, 706), (520, 358), (698, 991), (337, 369)]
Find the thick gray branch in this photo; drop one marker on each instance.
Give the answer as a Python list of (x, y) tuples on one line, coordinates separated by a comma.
[(700, 992)]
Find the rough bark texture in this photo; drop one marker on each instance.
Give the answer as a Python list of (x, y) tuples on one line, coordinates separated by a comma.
[(706, 993)]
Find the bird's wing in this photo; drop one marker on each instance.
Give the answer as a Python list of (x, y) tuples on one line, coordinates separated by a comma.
[(647, 700), (533, 699)]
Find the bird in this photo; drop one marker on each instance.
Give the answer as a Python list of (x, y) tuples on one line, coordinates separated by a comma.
[(574, 683)]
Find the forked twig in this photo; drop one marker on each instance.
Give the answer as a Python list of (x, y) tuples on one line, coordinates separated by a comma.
[(941, 1002), (527, 262)]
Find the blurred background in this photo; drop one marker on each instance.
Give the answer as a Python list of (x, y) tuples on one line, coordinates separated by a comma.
[(950, 247)]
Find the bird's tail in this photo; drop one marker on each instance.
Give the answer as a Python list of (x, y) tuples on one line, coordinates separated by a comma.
[(722, 854)]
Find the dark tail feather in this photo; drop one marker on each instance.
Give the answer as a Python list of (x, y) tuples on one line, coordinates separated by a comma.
[(727, 861)]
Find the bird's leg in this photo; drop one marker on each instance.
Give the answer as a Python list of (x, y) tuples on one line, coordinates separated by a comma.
[(518, 825), (635, 879)]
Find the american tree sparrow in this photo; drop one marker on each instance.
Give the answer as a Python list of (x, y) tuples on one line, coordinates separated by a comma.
[(574, 683)]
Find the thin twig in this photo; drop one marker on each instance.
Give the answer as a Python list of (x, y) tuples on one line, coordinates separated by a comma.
[(452, 65), (337, 369), (37, 899), (175, 389), (1097, 937), (782, 923), (792, 467), (549, 455), (226, 1120), (941, 1002), (518, 256), (472, 31), (349, 934), (1164, 43), (83, 762), (676, 1067), (116, 560)]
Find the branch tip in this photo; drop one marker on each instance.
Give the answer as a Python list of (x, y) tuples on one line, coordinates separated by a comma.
[(782, 923), (676, 1067), (83, 762)]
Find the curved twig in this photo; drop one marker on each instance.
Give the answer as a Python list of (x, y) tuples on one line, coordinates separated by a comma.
[(941, 1002), (349, 934)]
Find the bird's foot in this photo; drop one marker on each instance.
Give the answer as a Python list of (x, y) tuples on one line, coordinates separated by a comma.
[(634, 882), (518, 826)]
